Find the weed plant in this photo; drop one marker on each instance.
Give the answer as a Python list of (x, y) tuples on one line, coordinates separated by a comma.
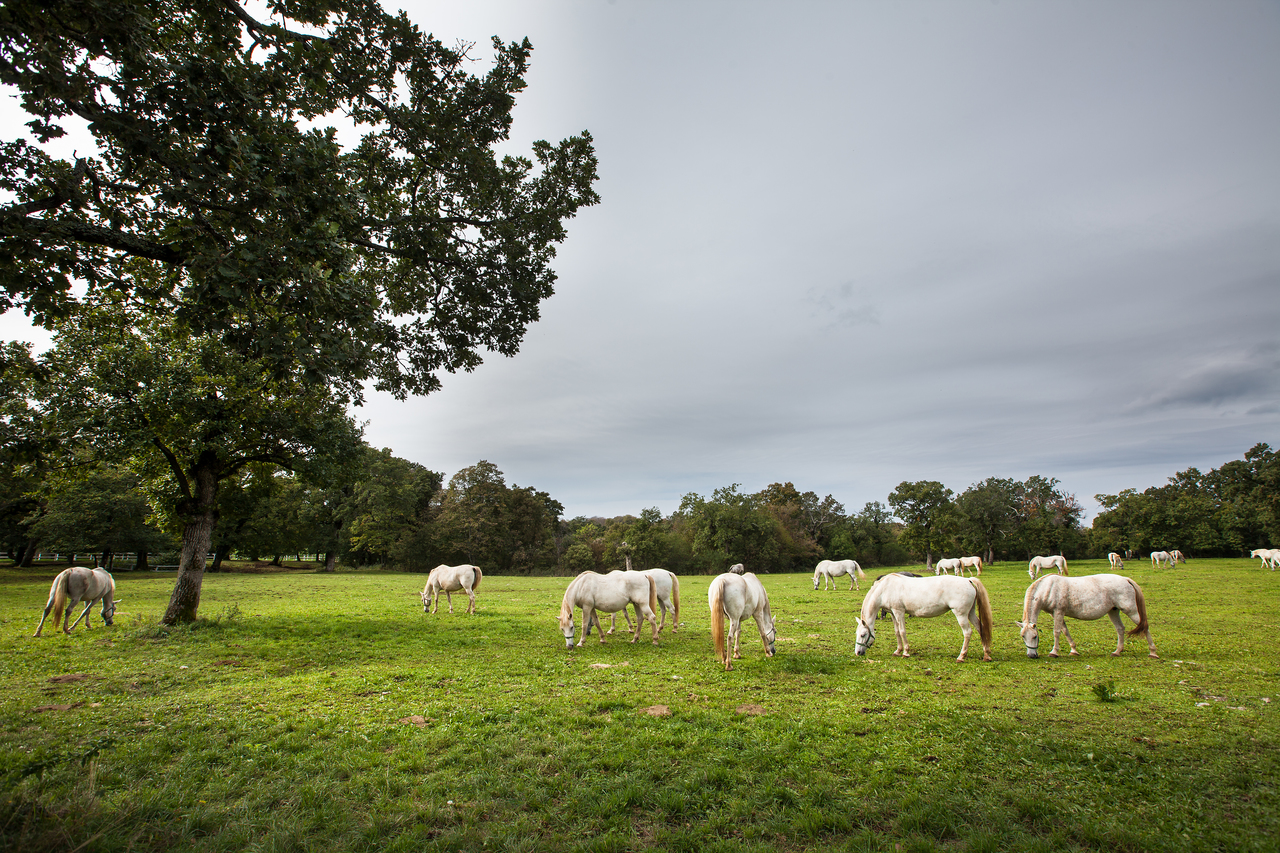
[(327, 712)]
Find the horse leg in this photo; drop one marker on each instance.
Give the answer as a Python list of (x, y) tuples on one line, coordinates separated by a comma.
[(1114, 616), (900, 631), (449, 597), (966, 629), (72, 603), (735, 632), (764, 640), (471, 606), (84, 615)]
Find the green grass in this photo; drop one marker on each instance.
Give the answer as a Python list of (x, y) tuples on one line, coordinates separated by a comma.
[(328, 713)]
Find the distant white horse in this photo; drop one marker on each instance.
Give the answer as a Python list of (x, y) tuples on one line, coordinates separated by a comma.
[(832, 569), (973, 563), (928, 596), (450, 579), (737, 597), (1159, 558), (1270, 556), (951, 565), (738, 569), (1038, 563), (75, 585), (1090, 597), (667, 588), (609, 593), (1177, 556), (1114, 559)]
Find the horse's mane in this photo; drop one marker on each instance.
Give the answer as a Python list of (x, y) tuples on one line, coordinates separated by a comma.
[(1026, 601)]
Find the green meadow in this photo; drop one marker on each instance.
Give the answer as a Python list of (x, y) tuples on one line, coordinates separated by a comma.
[(320, 712)]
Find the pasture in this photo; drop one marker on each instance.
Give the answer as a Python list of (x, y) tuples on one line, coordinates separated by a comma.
[(329, 713)]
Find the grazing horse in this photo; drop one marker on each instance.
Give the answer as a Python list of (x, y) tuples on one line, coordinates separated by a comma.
[(1177, 556), (450, 579), (1038, 563), (1089, 597), (75, 585), (739, 596), (927, 596), (832, 569), (608, 594), (943, 566), (738, 569), (1270, 556), (973, 563), (1159, 558), (1114, 559), (667, 588)]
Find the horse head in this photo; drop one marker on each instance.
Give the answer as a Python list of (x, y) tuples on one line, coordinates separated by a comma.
[(566, 628), (1030, 638), (866, 636), (108, 610)]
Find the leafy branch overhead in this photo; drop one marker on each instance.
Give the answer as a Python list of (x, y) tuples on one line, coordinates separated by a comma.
[(218, 174)]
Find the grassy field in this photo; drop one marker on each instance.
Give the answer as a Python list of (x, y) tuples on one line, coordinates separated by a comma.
[(328, 713)]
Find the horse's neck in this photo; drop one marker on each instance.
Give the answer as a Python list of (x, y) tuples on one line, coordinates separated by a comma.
[(872, 602)]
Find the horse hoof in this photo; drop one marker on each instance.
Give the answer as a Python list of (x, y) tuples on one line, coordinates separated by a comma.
[(1075, 653), (1153, 655), (1115, 654), (960, 659), (1053, 654), (986, 658)]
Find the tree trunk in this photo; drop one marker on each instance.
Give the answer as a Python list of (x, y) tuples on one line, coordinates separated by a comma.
[(330, 561), (219, 554), (141, 565), (185, 601), (29, 555)]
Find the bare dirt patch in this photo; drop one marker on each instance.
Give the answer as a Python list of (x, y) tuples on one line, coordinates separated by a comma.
[(750, 709)]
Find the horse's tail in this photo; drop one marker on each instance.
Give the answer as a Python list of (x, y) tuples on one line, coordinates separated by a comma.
[(675, 597), (1143, 626), (985, 617), (1064, 567), (477, 576), (653, 599), (717, 617), (861, 573), (58, 595)]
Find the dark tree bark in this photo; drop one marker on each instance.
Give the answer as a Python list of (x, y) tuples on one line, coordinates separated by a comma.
[(185, 601)]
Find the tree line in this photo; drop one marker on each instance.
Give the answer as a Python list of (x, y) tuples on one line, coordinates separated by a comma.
[(378, 509)]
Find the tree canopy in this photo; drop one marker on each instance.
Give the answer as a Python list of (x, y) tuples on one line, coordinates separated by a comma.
[(222, 197)]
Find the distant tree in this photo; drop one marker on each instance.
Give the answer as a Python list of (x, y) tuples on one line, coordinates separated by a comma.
[(988, 515), (1049, 517), (929, 516), (482, 521), (731, 527)]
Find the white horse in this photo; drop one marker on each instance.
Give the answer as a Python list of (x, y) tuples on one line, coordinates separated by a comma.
[(972, 563), (75, 585), (1114, 559), (1269, 556), (1090, 597), (667, 588), (450, 579), (739, 596), (951, 565), (1177, 556), (738, 569), (832, 569), (928, 596), (1159, 558), (608, 594), (1038, 563)]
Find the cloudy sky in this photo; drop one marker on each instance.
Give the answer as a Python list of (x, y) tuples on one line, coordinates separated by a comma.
[(849, 244)]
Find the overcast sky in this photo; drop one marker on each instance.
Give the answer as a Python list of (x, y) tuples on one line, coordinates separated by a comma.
[(849, 244)]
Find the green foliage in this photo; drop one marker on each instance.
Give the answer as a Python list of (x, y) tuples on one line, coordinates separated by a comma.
[(929, 516), (220, 198)]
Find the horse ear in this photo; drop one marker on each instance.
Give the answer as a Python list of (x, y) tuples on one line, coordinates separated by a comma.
[(1019, 624)]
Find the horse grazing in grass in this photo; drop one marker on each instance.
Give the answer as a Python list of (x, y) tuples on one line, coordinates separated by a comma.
[(1270, 556), (1177, 556), (928, 596), (75, 585), (1038, 563), (609, 593), (832, 569), (972, 563), (951, 565), (1090, 597), (737, 597), (667, 589), (1159, 558), (1114, 559), (450, 579)]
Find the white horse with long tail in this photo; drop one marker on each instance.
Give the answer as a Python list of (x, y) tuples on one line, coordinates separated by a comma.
[(737, 597), (75, 585), (927, 596), (450, 579), (1089, 597), (1114, 559), (1159, 558), (593, 593), (1039, 564), (974, 564), (667, 589), (832, 569), (952, 565)]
